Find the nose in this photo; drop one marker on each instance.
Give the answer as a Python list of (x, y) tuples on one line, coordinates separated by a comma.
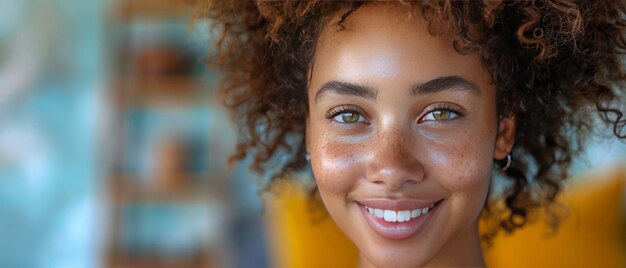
[(394, 159)]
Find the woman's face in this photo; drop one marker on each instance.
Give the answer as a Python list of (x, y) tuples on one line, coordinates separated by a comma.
[(402, 133)]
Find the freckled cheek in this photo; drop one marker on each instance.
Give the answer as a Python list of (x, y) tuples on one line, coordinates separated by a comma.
[(336, 166), (462, 165)]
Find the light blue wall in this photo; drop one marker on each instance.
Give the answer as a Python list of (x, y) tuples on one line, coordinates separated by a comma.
[(51, 112)]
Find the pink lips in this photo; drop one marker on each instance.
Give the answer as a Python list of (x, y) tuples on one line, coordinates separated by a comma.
[(396, 230)]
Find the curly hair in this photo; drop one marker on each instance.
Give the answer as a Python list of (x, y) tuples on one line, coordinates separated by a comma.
[(556, 65)]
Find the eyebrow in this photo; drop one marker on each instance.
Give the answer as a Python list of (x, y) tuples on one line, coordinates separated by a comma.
[(444, 83), (431, 87), (345, 88)]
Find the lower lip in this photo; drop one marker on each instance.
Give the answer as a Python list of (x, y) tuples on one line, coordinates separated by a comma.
[(397, 230)]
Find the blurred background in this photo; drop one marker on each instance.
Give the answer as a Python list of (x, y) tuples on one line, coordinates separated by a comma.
[(113, 142)]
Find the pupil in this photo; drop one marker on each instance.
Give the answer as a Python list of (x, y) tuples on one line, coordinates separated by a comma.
[(349, 117), (441, 115)]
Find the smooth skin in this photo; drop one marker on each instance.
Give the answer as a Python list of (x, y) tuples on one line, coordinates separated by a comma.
[(396, 113)]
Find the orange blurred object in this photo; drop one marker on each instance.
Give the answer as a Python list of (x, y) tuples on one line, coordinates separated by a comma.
[(593, 234)]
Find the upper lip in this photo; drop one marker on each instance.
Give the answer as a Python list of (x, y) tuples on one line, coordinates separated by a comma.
[(396, 204)]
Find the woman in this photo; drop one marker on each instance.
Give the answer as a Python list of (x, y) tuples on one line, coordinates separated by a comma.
[(405, 109)]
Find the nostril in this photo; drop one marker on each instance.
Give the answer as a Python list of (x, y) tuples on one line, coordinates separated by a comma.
[(393, 165)]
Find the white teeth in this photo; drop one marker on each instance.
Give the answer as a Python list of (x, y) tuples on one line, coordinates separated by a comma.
[(404, 215), (378, 213), (398, 216), (390, 216), (416, 213)]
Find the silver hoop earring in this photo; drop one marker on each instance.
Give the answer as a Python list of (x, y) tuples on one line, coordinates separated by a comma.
[(308, 157), (508, 163)]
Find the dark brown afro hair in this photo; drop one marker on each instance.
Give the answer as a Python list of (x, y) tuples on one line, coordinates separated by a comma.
[(556, 65)]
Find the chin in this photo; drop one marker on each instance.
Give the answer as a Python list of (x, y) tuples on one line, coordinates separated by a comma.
[(383, 258), (377, 252)]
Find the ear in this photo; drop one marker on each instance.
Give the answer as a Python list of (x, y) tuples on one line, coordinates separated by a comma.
[(505, 137)]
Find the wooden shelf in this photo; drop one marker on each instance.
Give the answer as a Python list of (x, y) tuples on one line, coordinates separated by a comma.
[(159, 84), (154, 9), (140, 262), (123, 192), (126, 188), (155, 75), (134, 91)]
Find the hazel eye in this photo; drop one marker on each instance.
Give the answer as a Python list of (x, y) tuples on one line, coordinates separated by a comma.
[(349, 117), (440, 115)]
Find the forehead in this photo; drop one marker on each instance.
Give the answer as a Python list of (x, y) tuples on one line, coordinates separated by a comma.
[(385, 41)]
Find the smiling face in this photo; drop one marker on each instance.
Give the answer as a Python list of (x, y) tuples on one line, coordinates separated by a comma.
[(402, 132)]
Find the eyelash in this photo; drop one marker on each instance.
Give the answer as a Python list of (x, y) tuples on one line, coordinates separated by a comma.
[(339, 110), (442, 108)]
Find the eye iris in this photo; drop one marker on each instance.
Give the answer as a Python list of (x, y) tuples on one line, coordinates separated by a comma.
[(441, 115), (350, 117)]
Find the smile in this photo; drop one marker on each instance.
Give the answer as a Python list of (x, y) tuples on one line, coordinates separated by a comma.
[(398, 216), (397, 220)]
